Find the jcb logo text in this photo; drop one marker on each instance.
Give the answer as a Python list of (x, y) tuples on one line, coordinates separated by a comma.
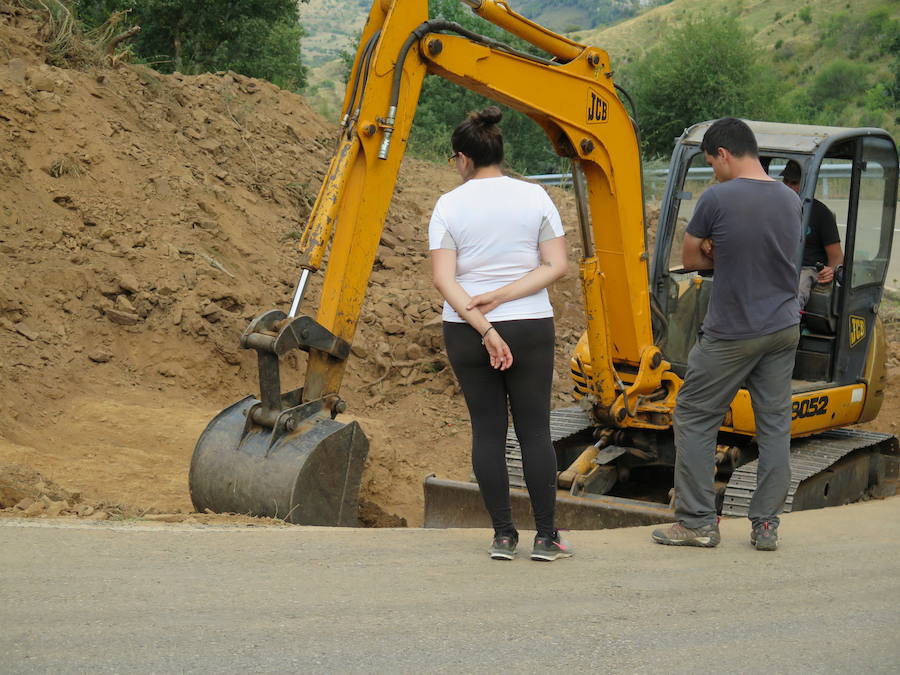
[(598, 109), (857, 329)]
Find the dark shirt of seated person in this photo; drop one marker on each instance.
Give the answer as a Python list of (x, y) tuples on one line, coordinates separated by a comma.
[(822, 242)]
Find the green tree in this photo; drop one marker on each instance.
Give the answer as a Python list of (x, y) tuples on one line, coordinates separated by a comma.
[(894, 85), (443, 105), (706, 69), (259, 38)]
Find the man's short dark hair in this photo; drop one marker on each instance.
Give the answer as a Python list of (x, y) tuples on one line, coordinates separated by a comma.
[(732, 134), (792, 172)]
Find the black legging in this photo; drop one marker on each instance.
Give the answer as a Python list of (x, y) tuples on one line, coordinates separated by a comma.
[(527, 385)]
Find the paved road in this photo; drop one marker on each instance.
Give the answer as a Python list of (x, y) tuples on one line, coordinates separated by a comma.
[(104, 598)]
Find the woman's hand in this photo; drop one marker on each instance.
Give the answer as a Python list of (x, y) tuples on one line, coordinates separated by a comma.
[(485, 302), (498, 350)]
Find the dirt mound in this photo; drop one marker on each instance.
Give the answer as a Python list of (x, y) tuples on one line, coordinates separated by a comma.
[(144, 220), (20, 483), (25, 492)]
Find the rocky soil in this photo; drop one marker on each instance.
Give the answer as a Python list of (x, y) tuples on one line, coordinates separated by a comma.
[(144, 220)]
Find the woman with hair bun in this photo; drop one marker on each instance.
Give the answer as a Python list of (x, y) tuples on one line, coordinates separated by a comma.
[(496, 245)]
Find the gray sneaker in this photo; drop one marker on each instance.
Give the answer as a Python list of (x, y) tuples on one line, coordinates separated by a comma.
[(764, 537), (677, 534), (549, 549), (503, 547)]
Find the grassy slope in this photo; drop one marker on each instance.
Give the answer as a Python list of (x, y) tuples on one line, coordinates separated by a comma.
[(628, 40), (558, 18)]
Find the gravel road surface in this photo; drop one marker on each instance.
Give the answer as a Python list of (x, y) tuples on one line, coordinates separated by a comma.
[(138, 597)]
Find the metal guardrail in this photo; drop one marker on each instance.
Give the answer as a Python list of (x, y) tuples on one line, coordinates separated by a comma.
[(697, 173)]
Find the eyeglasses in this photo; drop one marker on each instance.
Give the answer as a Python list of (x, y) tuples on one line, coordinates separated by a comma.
[(452, 158)]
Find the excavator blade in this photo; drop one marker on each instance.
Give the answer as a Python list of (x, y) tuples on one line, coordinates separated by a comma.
[(308, 475), (458, 504)]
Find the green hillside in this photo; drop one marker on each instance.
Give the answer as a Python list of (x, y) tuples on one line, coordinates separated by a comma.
[(330, 26), (801, 43), (834, 61)]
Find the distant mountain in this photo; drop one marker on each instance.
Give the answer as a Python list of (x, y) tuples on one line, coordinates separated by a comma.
[(566, 16), (800, 40), (332, 24)]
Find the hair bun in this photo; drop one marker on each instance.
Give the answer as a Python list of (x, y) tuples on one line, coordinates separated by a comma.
[(490, 115)]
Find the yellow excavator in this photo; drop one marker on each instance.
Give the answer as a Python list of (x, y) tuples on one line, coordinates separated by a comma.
[(285, 455)]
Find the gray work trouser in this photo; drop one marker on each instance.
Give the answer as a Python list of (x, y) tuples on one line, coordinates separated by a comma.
[(716, 370), (808, 277)]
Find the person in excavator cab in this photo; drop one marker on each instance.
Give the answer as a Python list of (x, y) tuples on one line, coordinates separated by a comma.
[(822, 254), (496, 245)]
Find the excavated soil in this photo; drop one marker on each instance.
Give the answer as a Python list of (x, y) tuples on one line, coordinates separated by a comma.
[(144, 220)]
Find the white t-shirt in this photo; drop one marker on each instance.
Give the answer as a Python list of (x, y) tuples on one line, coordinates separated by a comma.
[(495, 226)]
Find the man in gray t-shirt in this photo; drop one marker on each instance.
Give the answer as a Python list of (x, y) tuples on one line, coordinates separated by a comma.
[(754, 228), (750, 225)]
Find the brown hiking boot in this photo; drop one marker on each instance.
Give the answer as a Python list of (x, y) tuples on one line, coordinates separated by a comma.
[(677, 534)]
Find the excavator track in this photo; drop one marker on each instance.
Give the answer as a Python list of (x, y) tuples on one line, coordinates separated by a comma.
[(564, 422), (832, 468)]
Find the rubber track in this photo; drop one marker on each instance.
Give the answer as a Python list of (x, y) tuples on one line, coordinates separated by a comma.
[(809, 456), (564, 422)]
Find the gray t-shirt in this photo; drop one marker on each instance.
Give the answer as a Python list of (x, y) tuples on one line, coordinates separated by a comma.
[(755, 229)]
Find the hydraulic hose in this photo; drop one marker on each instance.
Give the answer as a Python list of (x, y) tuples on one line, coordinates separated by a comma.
[(369, 55), (417, 34), (356, 75)]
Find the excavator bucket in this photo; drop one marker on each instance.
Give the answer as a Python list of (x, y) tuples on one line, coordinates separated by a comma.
[(280, 456), (308, 476)]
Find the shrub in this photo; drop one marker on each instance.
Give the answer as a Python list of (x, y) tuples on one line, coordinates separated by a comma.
[(839, 80), (705, 69)]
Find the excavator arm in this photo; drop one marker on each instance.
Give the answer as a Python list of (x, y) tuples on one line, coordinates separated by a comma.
[(571, 97)]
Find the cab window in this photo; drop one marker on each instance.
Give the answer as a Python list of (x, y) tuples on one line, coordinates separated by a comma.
[(875, 212)]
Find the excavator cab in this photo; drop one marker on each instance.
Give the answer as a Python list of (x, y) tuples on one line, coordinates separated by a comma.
[(839, 372), (852, 172)]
